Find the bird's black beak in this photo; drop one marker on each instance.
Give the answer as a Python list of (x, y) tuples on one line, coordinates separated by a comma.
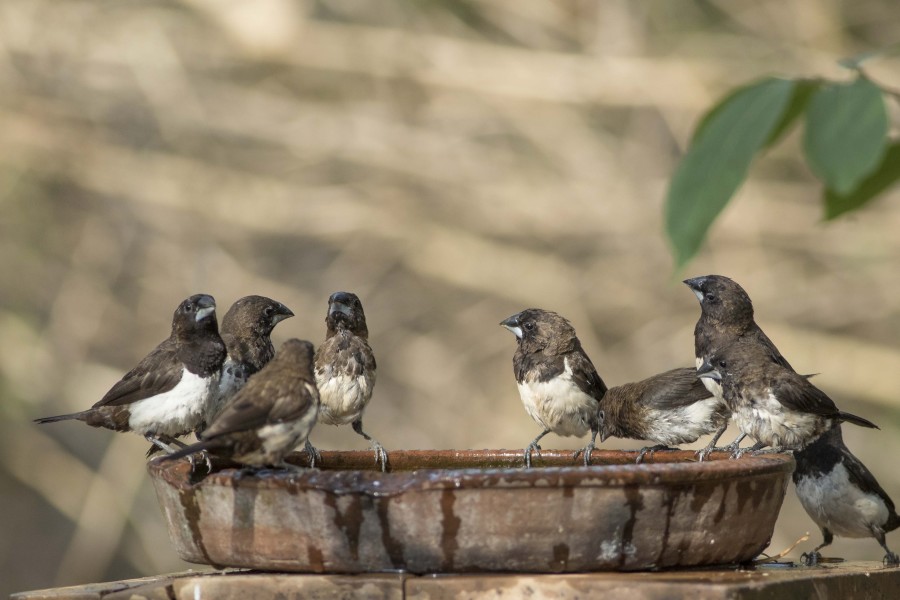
[(604, 434), (512, 323), (706, 370), (282, 312), (696, 285), (206, 304), (341, 302)]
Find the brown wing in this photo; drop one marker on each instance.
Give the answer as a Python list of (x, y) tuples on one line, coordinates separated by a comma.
[(797, 393), (157, 373), (267, 398), (585, 375), (673, 389)]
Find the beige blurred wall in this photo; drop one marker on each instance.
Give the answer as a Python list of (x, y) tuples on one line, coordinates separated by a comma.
[(452, 163)]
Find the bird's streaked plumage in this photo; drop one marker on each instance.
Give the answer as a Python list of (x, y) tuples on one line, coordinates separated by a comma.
[(345, 369), (166, 395), (667, 409), (246, 330), (770, 402), (841, 495), (558, 384), (268, 417)]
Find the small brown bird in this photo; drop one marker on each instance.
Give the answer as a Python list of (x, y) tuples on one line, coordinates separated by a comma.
[(246, 330), (558, 383), (842, 496), (268, 417), (345, 370), (770, 402), (670, 408), (726, 316), (167, 393)]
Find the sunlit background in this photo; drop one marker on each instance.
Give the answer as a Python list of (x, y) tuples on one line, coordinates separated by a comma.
[(451, 163)]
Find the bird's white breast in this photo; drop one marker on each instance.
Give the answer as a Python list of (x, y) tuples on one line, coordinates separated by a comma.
[(711, 385), (835, 503), (177, 411), (685, 424), (768, 421), (343, 397), (559, 404)]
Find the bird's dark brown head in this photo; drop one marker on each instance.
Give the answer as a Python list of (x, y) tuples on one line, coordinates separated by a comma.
[(734, 361), (254, 315), (722, 300), (197, 313), (298, 356), (345, 312), (538, 330)]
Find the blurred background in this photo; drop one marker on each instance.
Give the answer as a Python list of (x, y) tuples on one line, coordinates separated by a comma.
[(452, 162)]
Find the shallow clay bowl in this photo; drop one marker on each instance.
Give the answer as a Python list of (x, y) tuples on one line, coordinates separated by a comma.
[(476, 510)]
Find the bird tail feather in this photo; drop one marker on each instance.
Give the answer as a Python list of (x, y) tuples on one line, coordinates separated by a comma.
[(192, 449), (857, 420), (77, 416)]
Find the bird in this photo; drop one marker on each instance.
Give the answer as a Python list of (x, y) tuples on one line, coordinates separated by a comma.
[(268, 417), (557, 382), (166, 395), (726, 315), (670, 408), (246, 330), (842, 496), (345, 370), (770, 402)]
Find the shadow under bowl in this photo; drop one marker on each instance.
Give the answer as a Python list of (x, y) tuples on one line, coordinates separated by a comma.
[(439, 511)]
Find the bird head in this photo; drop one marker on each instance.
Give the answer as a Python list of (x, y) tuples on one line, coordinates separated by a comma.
[(541, 330), (345, 312), (722, 299), (712, 368), (254, 314), (197, 311)]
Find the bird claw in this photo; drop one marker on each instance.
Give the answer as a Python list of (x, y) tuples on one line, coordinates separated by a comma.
[(810, 559), (381, 456), (532, 447), (891, 560), (313, 454), (587, 451), (651, 450), (703, 453)]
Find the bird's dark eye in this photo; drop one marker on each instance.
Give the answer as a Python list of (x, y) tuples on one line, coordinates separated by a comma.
[(189, 308), (268, 311), (710, 296), (722, 364), (529, 325)]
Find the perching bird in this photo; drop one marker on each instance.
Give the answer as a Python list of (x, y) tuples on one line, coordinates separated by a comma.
[(166, 395), (726, 315), (668, 409), (246, 330), (558, 384), (268, 417), (345, 370), (770, 402), (840, 494)]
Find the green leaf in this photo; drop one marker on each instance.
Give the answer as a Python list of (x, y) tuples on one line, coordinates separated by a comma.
[(803, 91), (887, 173), (718, 159), (846, 133)]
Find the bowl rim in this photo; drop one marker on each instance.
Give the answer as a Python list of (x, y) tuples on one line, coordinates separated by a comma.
[(554, 469)]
